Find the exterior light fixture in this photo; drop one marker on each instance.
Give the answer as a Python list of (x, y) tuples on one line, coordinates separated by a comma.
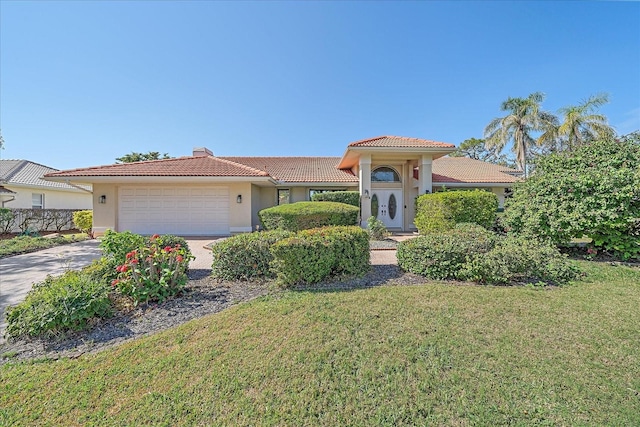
[(239, 198), (366, 194), (103, 199)]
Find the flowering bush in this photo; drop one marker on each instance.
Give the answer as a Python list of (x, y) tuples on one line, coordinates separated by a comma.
[(153, 272)]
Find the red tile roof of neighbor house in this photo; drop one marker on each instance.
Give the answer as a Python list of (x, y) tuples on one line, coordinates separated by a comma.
[(299, 169), (400, 142), (181, 166), (466, 170)]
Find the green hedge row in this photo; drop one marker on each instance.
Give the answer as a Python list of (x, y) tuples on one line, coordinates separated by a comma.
[(305, 215), (469, 252), (348, 197), (441, 211), (308, 256)]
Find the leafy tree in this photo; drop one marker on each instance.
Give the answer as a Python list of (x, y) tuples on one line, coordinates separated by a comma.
[(525, 116), (141, 157), (475, 148), (592, 191), (580, 124)]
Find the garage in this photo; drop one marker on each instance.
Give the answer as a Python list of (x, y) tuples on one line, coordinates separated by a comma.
[(186, 211)]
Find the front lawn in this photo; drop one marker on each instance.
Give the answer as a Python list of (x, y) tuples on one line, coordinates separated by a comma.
[(441, 354), (24, 244)]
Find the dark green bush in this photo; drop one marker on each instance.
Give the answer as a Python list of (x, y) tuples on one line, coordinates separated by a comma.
[(441, 211), (59, 304), (592, 191), (314, 255), (305, 215), (518, 259), (245, 256), (348, 197), (442, 255)]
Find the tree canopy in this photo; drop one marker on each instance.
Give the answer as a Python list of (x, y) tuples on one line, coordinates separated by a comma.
[(141, 157), (475, 148), (525, 116)]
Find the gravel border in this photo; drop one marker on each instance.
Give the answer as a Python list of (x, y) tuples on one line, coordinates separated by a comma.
[(203, 295)]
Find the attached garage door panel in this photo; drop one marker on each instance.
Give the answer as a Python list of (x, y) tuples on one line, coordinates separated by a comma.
[(188, 211)]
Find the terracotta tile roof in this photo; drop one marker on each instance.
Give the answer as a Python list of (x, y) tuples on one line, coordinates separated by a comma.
[(181, 166), (25, 172), (298, 169), (400, 142), (466, 170)]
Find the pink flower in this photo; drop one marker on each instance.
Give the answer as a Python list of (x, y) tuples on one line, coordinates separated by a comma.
[(155, 236), (167, 248), (115, 282), (179, 258)]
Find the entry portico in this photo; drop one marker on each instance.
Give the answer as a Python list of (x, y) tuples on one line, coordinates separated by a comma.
[(388, 184)]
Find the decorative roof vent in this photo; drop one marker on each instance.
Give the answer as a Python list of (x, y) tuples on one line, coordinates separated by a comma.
[(202, 152)]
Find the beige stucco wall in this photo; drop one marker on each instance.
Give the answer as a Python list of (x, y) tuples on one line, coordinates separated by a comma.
[(53, 199)]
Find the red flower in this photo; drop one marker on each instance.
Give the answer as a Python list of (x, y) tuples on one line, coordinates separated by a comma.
[(179, 258), (155, 236), (167, 248), (115, 282), (134, 261)]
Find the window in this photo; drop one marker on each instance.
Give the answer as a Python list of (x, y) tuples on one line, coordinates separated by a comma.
[(37, 201), (284, 196), (384, 174)]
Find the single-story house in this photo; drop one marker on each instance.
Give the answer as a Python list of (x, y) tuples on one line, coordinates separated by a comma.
[(204, 194), (22, 186)]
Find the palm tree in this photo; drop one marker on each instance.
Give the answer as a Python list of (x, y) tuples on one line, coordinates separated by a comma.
[(580, 125), (525, 116)]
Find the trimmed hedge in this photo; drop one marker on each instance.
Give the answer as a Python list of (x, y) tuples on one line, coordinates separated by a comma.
[(517, 260), (469, 252), (305, 215), (442, 255), (348, 197), (312, 256), (441, 211), (245, 256)]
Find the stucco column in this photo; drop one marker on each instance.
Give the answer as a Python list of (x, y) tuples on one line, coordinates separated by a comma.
[(365, 188), (426, 179)]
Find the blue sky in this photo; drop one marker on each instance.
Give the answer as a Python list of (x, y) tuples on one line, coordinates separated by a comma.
[(85, 82)]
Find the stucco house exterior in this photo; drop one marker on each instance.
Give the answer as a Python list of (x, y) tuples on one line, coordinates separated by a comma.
[(22, 186), (204, 194)]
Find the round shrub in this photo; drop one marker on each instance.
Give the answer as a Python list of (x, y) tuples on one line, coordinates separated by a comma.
[(305, 215), (83, 220), (348, 197), (443, 255), (245, 256), (441, 211)]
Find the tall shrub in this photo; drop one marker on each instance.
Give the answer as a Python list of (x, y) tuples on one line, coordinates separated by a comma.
[(592, 191), (305, 215), (83, 220), (348, 197), (442, 211)]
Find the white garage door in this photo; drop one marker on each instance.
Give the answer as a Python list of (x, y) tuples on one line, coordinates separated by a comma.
[(186, 211)]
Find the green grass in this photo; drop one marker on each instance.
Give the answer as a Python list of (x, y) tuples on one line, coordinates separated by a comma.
[(437, 354), (25, 244)]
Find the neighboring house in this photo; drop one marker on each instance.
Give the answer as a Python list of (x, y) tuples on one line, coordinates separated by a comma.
[(204, 194), (22, 186)]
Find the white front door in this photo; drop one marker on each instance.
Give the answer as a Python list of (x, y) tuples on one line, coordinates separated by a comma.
[(386, 205)]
